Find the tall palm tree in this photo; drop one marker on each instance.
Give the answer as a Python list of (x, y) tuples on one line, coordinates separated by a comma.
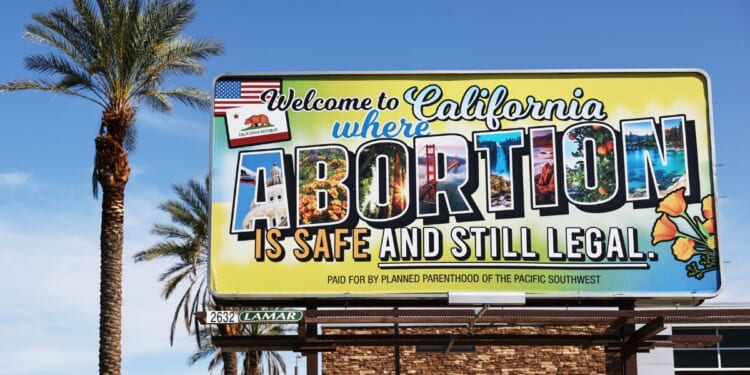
[(185, 240), (117, 54)]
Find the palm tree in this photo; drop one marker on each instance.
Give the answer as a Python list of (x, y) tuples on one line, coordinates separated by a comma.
[(252, 363), (186, 241), (206, 350), (117, 54)]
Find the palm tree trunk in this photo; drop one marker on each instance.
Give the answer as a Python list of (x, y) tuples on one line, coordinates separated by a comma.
[(229, 358), (252, 363), (112, 173), (230, 362), (110, 292)]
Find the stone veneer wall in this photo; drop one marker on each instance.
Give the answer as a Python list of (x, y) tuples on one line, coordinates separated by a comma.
[(371, 360)]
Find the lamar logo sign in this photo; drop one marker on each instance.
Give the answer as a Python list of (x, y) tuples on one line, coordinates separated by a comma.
[(270, 316), (236, 317)]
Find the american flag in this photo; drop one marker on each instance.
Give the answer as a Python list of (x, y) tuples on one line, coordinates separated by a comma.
[(235, 93)]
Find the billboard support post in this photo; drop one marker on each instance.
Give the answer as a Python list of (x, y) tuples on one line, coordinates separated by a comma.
[(396, 350), (311, 335), (628, 354)]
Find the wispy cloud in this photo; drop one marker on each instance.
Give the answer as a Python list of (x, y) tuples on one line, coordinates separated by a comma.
[(56, 359), (14, 178), (52, 276), (51, 297)]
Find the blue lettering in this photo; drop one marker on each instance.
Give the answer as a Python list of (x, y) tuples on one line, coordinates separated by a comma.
[(370, 126)]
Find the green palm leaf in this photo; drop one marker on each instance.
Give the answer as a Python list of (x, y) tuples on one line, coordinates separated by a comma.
[(185, 242)]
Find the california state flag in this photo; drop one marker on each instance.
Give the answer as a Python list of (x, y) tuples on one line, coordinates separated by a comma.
[(249, 122)]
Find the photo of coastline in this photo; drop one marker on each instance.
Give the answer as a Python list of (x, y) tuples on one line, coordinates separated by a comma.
[(666, 159)]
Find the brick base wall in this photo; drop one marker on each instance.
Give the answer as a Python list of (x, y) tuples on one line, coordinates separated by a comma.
[(484, 360)]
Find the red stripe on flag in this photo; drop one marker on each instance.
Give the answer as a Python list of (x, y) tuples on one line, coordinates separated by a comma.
[(250, 92), (254, 140)]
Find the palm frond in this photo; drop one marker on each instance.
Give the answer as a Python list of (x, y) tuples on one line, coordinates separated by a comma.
[(174, 276), (180, 213), (275, 362), (43, 85), (80, 39), (187, 318), (156, 100), (172, 232), (206, 301), (191, 97), (131, 135), (215, 361), (190, 315), (183, 302), (167, 18), (73, 77), (206, 349), (61, 29), (119, 52), (185, 240), (164, 249)]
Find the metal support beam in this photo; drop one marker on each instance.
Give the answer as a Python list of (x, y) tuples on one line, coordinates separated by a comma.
[(617, 325), (478, 316), (396, 350), (450, 344), (311, 337), (644, 333), (628, 358), (615, 329)]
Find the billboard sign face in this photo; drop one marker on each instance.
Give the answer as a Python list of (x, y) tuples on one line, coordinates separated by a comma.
[(378, 185)]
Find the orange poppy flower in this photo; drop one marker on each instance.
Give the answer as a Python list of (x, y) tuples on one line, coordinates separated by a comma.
[(664, 230), (710, 226), (683, 249), (707, 204), (673, 204), (711, 242)]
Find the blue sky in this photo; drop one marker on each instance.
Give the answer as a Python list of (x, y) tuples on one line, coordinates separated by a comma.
[(49, 222)]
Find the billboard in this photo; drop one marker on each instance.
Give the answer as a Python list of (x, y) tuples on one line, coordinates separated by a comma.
[(569, 184)]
